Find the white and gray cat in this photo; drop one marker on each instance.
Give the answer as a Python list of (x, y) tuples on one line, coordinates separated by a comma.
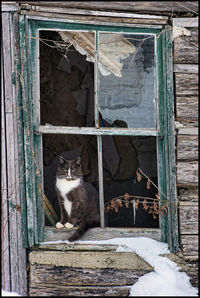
[(78, 200)]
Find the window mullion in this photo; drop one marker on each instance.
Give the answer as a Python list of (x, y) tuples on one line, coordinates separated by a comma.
[(101, 191), (99, 138)]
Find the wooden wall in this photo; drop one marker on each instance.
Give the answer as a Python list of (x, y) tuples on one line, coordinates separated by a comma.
[(186, 102), (13, 255)]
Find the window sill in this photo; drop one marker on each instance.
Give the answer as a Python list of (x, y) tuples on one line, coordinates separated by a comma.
[(53, 234)]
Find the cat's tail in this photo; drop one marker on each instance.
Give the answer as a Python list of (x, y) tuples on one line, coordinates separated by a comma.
[(83, 227)]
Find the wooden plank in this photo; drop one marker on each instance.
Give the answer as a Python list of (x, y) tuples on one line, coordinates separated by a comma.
[(189, 195), (188, 131), (187, 108), (22, 286), (6, 7), (186, 84), (187, 147), (131, 6), (186, 47), (185, 22), (189, 246), (188, 216), (5, 253), (48, 276), (98, 13), (53, 234), (10, 147), (95, 260), (186, 68), (82, 291), (187, 173), (92, 20)]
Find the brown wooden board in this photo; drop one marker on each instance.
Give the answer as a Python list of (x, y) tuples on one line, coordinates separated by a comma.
[(188, 216), (187, 147), (186, 47), (187, 108), (189, 246), (186, 84), (187, 173), (48, 276)]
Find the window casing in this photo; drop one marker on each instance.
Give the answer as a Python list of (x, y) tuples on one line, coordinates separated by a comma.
[(161, 129)]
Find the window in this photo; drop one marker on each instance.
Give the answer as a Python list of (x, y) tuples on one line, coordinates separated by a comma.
[(99, 92)]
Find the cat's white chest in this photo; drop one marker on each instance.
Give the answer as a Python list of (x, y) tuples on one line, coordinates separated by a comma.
[(65, 187)]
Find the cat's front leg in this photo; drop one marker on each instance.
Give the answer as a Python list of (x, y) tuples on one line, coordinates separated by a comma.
[(71, 222), (64, 216)]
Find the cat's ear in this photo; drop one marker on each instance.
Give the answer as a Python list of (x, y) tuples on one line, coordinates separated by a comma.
[(61, 160), (78, 161)]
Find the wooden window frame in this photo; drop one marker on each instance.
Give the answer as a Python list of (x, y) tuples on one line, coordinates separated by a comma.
[(32, 207)]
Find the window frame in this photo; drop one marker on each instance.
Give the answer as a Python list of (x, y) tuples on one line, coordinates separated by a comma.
[(32, 130)]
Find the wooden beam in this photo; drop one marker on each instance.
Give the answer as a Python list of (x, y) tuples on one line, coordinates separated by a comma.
[(159, 7), (95, 260)]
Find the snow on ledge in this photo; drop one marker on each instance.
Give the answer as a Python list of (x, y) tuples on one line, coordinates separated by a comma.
[(165, 280)]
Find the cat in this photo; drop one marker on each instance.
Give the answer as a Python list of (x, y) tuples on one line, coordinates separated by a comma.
[(78, 200)]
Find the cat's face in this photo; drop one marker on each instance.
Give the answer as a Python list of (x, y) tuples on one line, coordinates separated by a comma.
[(69, 169)]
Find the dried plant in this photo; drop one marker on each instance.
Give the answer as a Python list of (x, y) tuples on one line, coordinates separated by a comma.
[(153, 206)]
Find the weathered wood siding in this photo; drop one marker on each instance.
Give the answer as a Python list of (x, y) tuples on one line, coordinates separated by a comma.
[(13, 254), (155, 7), (76, 273), (186, 95)]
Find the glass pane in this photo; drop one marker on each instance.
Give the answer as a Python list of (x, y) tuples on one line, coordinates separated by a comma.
[(126, 80), (124, 194), (67, 78), (70, 147)]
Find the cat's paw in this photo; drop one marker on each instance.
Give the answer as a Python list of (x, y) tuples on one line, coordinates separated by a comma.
[(59, 225), (68, 225)]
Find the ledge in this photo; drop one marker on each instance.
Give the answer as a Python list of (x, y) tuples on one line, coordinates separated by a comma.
[(53, 234)]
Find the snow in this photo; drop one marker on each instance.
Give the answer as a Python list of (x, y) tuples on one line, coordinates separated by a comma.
[(165, 280), (6, 294)]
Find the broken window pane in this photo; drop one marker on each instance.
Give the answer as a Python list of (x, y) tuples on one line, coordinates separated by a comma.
[(67, 78), (124, 193), (127, 80)]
